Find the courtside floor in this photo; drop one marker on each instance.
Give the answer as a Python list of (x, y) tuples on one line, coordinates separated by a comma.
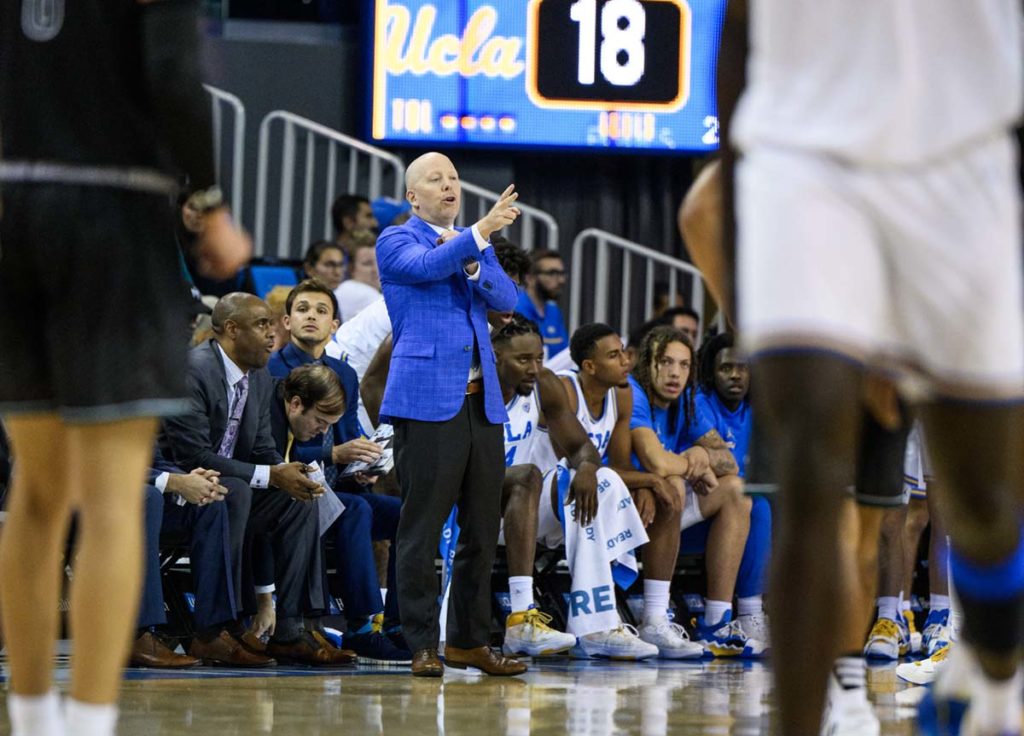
[(557, 696)]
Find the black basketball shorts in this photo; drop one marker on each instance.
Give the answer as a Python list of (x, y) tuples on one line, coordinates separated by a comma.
[(93, 303)]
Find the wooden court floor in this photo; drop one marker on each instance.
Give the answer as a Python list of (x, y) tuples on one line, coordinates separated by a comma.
[(585, 698)]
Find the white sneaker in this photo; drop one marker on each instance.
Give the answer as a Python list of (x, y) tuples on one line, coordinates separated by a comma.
[(527, 632), (925, 671), (623, 642), (888, 640), (755, 626), (671, 640), (848, 712)]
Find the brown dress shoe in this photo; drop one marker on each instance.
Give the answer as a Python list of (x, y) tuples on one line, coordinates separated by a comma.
[(426, 663), (226, 651), (149, 651), (309, 650), (339, 656), (484, 659)]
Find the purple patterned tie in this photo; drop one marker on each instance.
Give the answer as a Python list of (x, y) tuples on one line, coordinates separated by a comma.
[(227, 445)]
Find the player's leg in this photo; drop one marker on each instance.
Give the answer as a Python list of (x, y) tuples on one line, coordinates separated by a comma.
[(31, 570), (526, 628), (728, 511), (987, 548), (659, 557), (888, 639), (811, 405)]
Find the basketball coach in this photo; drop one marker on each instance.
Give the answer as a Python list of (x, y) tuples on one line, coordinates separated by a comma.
[(443, 398)]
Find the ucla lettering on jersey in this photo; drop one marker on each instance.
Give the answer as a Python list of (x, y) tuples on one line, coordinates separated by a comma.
[(521, 428), (599, 428)]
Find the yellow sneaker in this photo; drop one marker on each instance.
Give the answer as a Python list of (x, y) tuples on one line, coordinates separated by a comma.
[(527, 632), (886, 641), (914, 638)]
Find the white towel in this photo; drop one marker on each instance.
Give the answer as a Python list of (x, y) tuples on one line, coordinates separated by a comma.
[(600, 555)]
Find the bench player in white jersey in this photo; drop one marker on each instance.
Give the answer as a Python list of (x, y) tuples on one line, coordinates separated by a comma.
[(601, 397), (532, 395), (880, 227), (540, 415)]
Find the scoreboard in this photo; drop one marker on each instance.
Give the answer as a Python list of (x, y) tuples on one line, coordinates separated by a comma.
[(587, 74)]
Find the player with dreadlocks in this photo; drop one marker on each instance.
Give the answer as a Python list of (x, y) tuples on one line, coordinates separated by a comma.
[(723, 402), (669, 440)]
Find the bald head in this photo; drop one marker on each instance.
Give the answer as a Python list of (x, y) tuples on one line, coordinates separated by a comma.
[(237, 307), (418, 168), (433, 190), (244, 328)]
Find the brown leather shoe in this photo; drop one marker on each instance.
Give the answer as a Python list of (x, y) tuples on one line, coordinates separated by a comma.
[(227, 651), (149, 651), (484, 659), (340, 656), (252, 643), (426, 663), (309, 650)]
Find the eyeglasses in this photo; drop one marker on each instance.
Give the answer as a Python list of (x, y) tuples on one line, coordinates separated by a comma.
[(552, 272)]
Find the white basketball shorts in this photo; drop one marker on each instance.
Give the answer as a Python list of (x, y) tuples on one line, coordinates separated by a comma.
[(918, 267)]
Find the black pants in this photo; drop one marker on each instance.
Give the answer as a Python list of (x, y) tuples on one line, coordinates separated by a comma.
[(440, 464)]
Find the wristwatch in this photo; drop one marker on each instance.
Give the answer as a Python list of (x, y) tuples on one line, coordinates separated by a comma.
[(204, 201)]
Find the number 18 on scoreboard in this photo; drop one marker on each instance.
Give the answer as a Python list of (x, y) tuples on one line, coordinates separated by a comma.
[(608, 54)]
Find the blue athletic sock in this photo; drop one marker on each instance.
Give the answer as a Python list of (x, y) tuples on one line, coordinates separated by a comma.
[(756, 553), (992, 597)]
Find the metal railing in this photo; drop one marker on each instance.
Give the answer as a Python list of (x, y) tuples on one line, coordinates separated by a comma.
[(604, 275), (534, 229), (315, 165), (229, 146)]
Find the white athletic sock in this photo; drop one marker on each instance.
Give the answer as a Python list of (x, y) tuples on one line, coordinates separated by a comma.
[(996, 705), (889, 607), (956, 614), (750, 606), (904, 603), (655, 600), (90, 719), (851, 672), (937, 602), (520, 590), (714, 611), (35, 715)]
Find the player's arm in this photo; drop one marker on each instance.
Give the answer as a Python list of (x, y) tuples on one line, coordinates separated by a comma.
[(720, 457), (568, 434), (371, 389), (620, 449), (174, 92), (732, 77)]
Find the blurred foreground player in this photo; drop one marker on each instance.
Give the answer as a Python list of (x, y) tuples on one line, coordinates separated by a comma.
[(91, 156), (871, 234)]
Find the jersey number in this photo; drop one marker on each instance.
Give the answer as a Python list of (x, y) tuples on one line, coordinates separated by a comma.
[(41, 20), (510, 457)]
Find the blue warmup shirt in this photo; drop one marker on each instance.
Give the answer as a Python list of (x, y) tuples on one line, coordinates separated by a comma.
[(319, 448), (651, 417), (551, 325), (735, 427)]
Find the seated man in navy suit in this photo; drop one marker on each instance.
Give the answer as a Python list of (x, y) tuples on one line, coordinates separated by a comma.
[(227, 429), (312, 318), (189, 505)]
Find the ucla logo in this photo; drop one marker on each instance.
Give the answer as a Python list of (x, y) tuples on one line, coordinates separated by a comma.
[(410, 46)]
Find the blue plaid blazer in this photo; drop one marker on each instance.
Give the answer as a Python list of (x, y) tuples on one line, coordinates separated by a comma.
[(437, 314)]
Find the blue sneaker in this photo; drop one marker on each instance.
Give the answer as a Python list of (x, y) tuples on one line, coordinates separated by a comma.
[(935, 635), (373, 647), (727, 638), (938, 716)]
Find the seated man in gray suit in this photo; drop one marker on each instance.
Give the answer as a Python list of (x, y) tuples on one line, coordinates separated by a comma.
[(227, 429)]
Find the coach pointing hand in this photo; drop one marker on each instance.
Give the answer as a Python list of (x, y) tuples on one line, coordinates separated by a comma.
[(443, 398)]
